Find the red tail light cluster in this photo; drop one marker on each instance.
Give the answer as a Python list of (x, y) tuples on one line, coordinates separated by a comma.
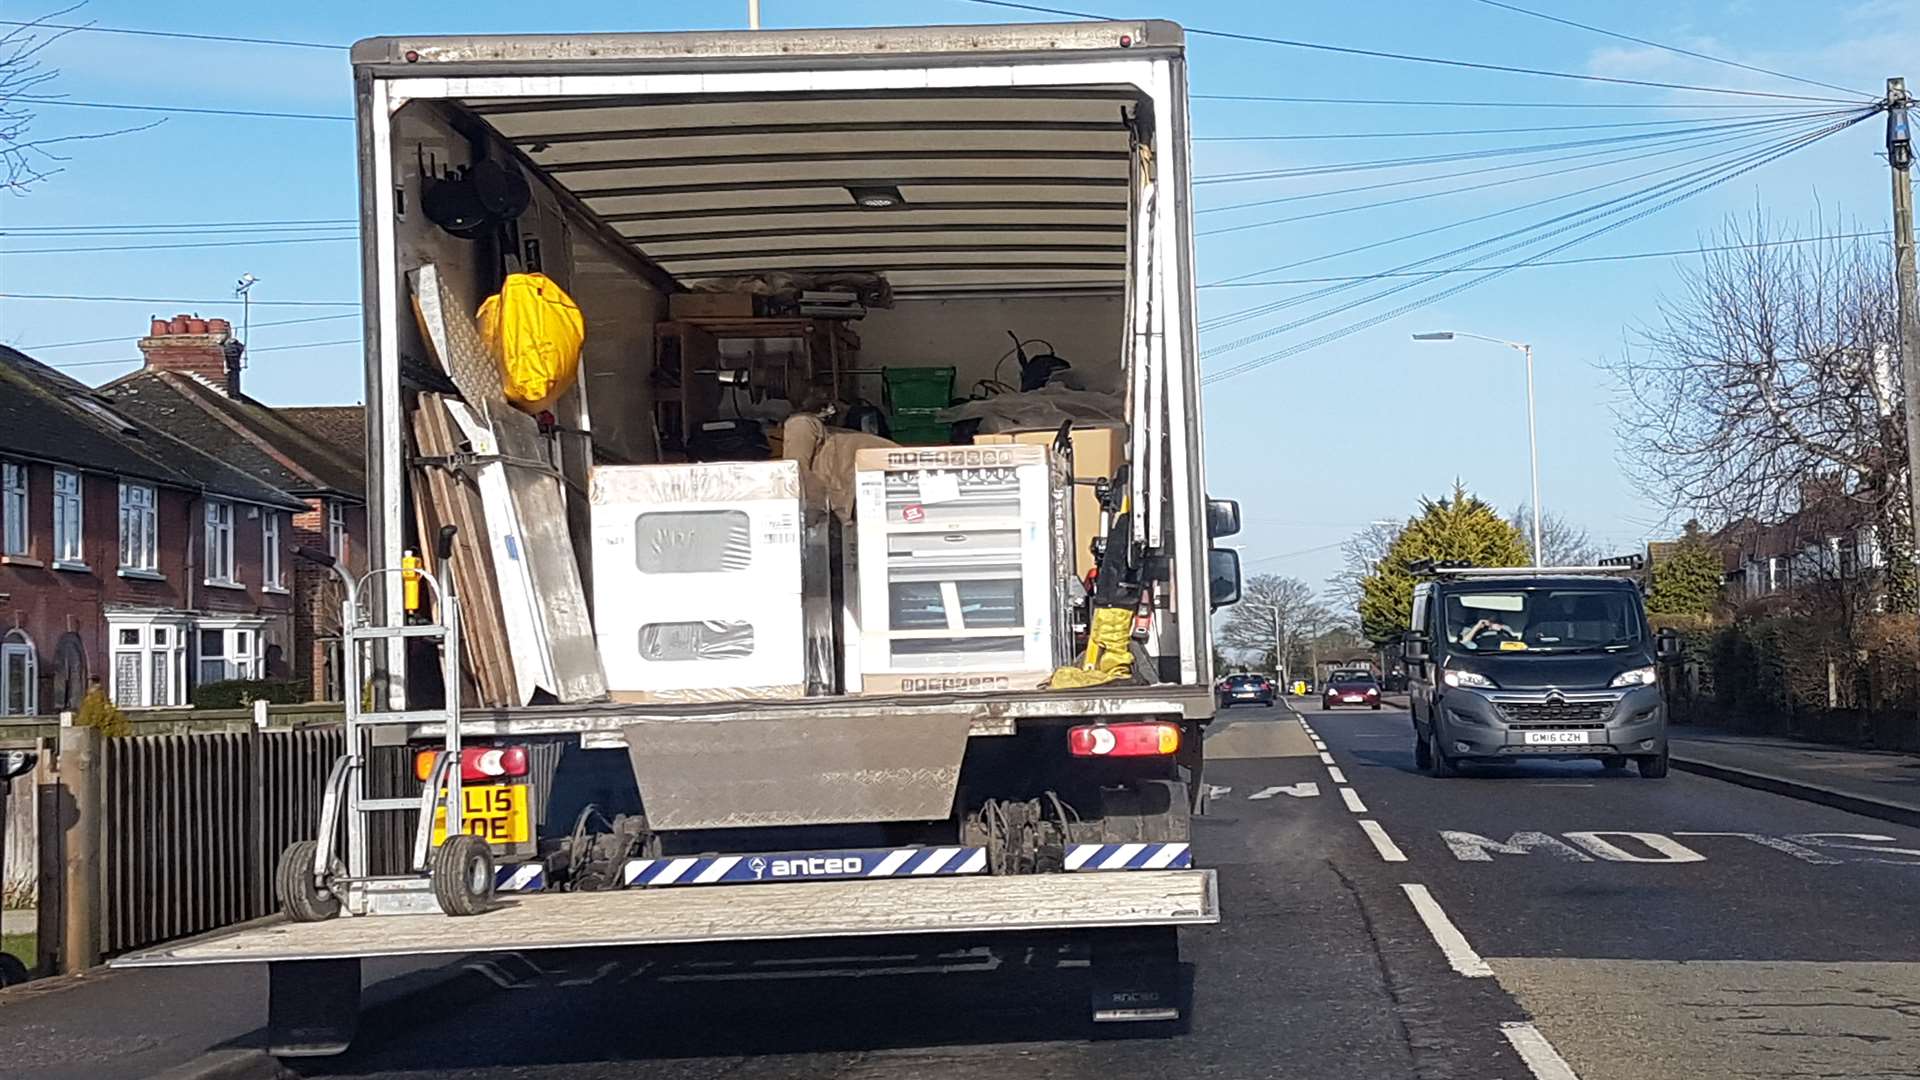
[(1153, 739), (477, 763)]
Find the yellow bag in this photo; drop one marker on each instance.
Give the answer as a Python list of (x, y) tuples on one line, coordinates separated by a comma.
[(534, 329), (1109, 655)]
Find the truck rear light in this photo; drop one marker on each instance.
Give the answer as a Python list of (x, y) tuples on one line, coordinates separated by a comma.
[(1124, 740), (477, 763)]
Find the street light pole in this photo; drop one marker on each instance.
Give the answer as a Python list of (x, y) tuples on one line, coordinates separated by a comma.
[(1533, 438)]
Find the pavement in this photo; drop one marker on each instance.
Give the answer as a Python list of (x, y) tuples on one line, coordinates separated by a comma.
[(1541, 919), (1878, 784)]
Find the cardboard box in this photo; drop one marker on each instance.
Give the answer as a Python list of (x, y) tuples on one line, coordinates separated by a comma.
[(710, 582), (1098, 452), (712, 305)]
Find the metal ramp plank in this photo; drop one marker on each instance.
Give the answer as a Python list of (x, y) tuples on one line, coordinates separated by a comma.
[(727, 914)]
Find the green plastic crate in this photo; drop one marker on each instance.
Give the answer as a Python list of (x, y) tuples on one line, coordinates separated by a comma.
[(910, 388)]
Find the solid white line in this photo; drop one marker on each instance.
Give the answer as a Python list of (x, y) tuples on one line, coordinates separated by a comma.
[(1353, 800), (1326, 758), (1382, 843), (1460, 955), (1338, 776), (1537, 1052)]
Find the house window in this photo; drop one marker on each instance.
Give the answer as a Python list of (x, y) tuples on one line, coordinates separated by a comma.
[(336, 529), (13, 508), (148, 663), (66, 519), (270, 550), (1776, 574), (228, 653), (219, 542), (139, 528), (19, 675)]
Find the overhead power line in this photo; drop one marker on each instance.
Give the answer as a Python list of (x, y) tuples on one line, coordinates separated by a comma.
[(173, 300), (1414, 58), (141, 228), (186, 109), (1286, 99), (177, 247), (1517, 9), (1436, 133), (123, 337), (90, 28), (250, 352), (1722, 176), (1623, 257)]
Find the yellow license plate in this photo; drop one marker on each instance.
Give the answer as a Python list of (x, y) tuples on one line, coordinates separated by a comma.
[(496, 813)]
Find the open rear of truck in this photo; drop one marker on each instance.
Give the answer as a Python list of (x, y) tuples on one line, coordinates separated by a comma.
[(961, 182)]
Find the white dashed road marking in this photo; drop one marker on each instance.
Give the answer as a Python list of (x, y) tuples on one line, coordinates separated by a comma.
[(1338, 776), (1453, 944), (1353, 800), (1539, 1054), (1326, 758), (1389, 851)]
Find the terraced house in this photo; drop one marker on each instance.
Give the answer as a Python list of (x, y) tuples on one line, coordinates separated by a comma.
[(129, 554)]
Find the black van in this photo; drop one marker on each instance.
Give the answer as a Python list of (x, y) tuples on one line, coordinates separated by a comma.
[(1507, 665)]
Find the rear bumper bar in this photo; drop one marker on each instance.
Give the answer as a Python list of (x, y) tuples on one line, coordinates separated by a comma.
[(772, 912)]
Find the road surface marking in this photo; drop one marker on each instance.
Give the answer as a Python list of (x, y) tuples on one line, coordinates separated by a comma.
[(1214, 791), (1804, 854), (1389, 851), (1306, 789), (1453, 944), (1827, 840), (1537, 1052), (1472, 847), (1668, 850), (1353, 800), (1326, 758), (1338, 776)]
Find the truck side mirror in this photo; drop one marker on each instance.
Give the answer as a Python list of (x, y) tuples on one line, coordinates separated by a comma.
[(1223, 577), (1413, 646), (1223, 518), (1667, 648)]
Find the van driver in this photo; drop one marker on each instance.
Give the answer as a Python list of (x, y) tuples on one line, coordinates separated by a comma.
[(1490, 624)]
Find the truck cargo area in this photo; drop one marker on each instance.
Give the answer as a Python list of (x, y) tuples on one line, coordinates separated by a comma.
[(850, 909)]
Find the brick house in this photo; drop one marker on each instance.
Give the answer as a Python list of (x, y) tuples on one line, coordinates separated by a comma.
[(190, 386), (128, 555)]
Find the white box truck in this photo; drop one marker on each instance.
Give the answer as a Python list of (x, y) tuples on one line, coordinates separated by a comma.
[(963, 181)]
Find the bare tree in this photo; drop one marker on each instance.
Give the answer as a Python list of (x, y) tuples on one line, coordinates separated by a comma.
[(1274, 612), (1562, 542), (1772, 374), (1362, 551), (26, 159)]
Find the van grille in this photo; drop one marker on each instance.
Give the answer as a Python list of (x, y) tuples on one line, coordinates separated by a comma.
[(1564, 715)]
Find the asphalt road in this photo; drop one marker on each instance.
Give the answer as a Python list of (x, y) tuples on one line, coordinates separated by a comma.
[(1542, 920)]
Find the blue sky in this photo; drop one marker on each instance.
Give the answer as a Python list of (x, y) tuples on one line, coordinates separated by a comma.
[(1315, 445)]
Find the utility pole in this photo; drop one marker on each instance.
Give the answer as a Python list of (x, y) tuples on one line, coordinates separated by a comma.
[(753, 14), (1900, 157)]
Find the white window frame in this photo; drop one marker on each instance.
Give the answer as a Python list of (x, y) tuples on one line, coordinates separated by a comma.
[(336, 528), (69, 519), (16, 645), (271, 577), (218, 550), (242, 647), (159, 645), (139, 529), (14, 519)]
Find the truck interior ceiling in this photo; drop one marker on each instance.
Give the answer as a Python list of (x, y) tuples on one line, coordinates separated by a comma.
[(932, 267)]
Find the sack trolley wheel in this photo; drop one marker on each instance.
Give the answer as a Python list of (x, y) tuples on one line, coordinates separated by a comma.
[(301, 897), (463, 875)]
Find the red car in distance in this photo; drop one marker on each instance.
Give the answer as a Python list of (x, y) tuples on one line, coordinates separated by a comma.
[(1350, 688)]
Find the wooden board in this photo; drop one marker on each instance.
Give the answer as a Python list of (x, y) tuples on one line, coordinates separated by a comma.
[(697, 915), (447, 497)]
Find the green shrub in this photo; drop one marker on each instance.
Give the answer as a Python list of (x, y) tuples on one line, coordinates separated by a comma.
[(241, 693), (97, 712)]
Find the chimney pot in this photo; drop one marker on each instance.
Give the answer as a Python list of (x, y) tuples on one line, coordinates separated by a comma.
[(156, 327), (178, 325), (219, 326), (196, 325)]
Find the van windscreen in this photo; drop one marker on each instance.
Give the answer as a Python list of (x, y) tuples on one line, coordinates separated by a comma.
[(1545, 619)]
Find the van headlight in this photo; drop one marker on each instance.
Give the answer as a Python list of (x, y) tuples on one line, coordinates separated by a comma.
[(1456, 677), (1642, 676)]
